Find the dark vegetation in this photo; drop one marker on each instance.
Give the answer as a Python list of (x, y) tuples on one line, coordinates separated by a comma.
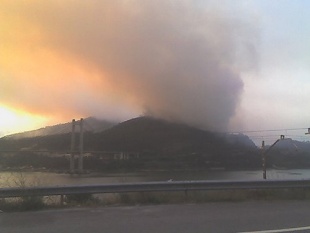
[(145, 198), (145, 144)]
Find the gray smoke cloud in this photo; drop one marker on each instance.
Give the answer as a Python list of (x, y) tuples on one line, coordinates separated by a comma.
[(177, 60)]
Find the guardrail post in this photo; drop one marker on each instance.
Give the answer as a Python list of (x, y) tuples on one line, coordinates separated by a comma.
[(62, 200)]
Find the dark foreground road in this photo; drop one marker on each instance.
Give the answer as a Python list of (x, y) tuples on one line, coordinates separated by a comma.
[(276, 216)]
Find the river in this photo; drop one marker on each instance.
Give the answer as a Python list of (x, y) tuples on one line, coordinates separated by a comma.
[(21, 179)]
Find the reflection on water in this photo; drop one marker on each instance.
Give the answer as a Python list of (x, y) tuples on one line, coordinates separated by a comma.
[(21, 179)]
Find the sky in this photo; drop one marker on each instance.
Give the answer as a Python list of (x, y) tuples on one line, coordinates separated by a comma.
[(228, 66)]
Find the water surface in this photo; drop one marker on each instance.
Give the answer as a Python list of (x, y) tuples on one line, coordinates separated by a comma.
[(20, 179)]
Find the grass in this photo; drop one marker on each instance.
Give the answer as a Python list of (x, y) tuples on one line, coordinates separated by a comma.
[(142, 198), (205, 196), (25, 203)]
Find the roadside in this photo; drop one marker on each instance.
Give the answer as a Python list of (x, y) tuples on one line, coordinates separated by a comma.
[(217, 217)]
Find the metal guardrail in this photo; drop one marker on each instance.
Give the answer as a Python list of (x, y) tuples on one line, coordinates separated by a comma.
[(152, 187)]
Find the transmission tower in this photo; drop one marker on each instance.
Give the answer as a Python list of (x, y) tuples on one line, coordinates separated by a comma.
[(73, 150)]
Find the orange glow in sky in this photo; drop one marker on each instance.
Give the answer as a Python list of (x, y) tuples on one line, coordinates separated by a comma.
[(40, 82), (13, 121), (229, 66)]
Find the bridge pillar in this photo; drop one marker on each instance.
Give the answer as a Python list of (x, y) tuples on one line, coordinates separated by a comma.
[(73, 148)]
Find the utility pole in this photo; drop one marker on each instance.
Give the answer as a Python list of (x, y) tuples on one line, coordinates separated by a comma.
[(264, 160), (264, 153), (73, 149)]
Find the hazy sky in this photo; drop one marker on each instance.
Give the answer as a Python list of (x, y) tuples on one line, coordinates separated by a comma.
[(221, 65)]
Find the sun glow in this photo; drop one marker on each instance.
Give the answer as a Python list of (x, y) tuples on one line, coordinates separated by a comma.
[(13, 121)]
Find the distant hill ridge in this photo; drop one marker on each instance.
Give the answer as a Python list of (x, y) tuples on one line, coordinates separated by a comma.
[(137, 134), (91, 124), (157, 141), (152, 134)]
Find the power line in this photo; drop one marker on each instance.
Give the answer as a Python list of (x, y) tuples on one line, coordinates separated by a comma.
[(268, 130)]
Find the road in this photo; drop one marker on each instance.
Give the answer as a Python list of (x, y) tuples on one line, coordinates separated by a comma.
[(264, 216)]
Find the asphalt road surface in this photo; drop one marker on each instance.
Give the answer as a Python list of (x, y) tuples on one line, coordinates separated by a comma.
[(260, 216)]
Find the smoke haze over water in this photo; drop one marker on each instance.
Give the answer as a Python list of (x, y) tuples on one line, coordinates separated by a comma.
[(169, 59)]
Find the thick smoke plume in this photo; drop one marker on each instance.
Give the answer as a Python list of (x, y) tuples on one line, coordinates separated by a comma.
[(176, 60)]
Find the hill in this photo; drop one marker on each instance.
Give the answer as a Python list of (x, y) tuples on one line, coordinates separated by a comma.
[(156, 142), (149, 134), (290, 145), (147, 143), (142, 134), (90, 124)]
